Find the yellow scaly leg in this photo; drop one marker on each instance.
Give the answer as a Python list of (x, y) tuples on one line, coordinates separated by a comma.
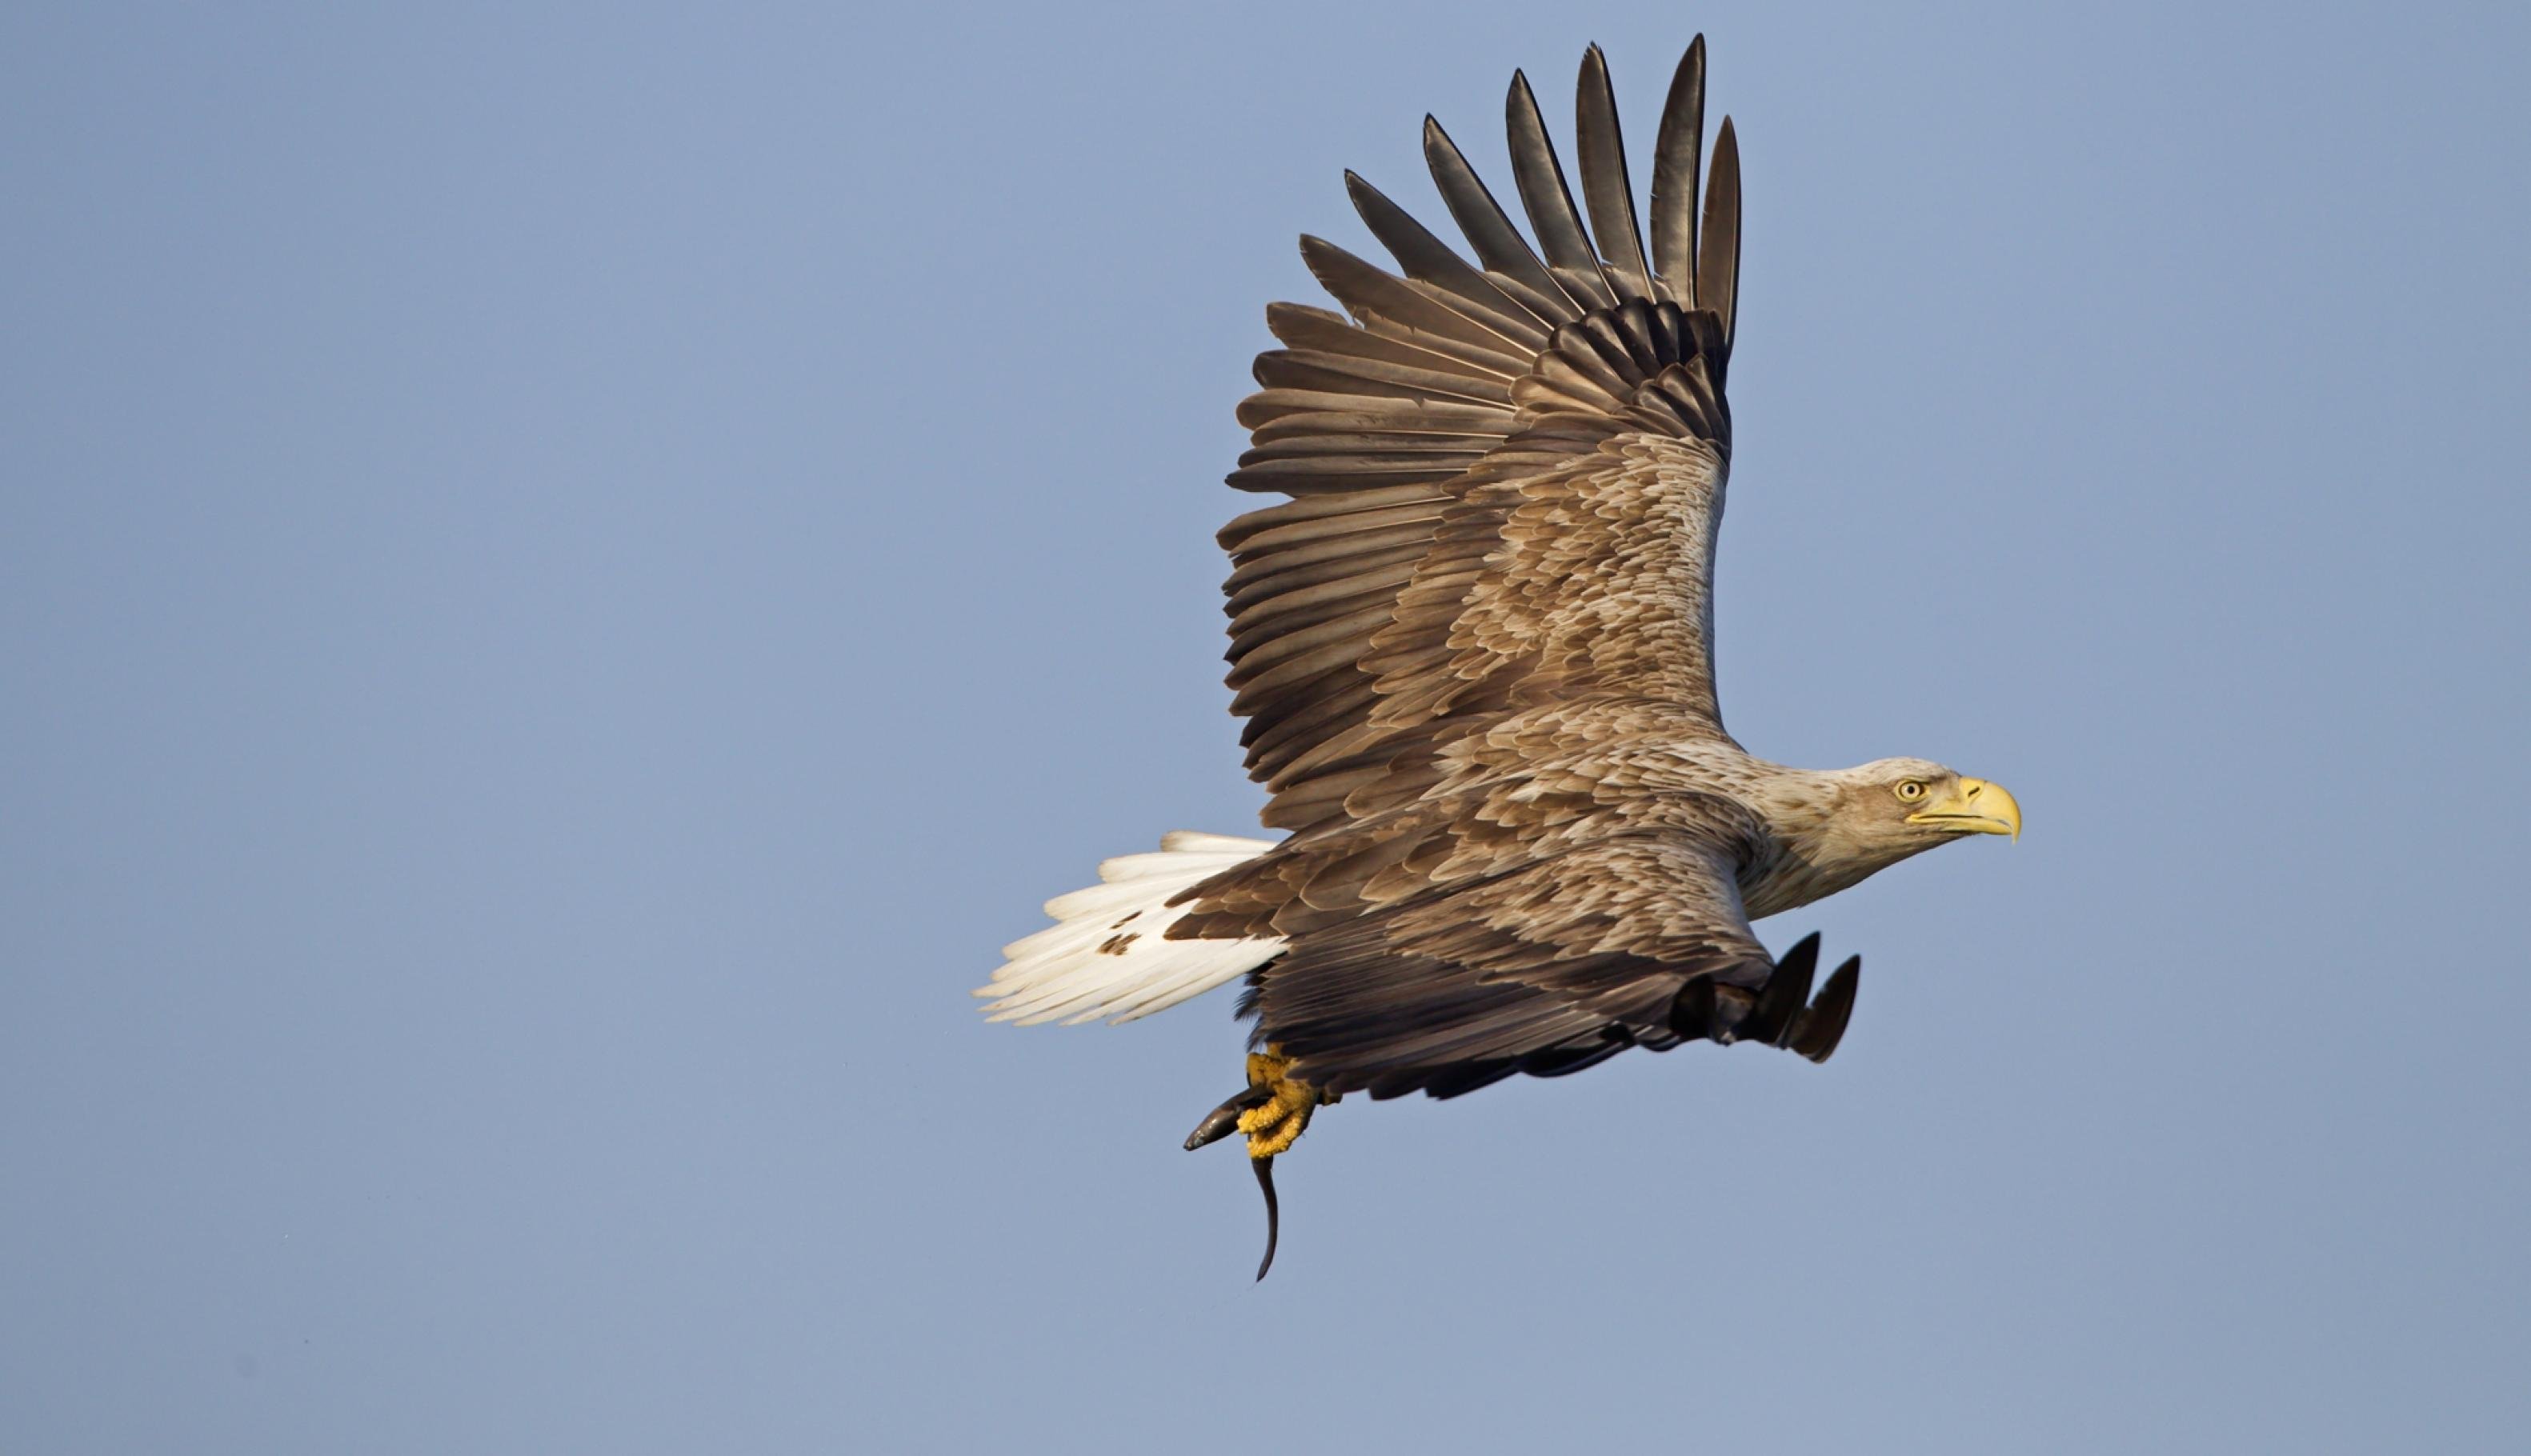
[(1273, 1112), (1275, 1124)]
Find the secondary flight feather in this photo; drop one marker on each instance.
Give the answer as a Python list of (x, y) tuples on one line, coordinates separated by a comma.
[(1474, 650)]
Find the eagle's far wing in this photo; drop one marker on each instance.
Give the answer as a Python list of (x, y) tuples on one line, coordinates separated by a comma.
[(1506, 474), (1554, 965)]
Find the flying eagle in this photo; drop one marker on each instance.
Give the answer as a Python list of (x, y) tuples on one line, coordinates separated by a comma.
[(1475, 653)]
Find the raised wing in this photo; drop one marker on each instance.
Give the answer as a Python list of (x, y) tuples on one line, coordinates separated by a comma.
[(1506, 474)]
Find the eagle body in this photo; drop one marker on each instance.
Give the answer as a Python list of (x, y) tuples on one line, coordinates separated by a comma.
[(1473, 646)]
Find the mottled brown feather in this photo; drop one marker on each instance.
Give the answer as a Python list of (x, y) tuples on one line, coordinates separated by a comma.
[(1469, 644)]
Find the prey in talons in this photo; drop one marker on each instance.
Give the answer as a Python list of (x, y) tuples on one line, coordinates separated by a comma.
[(1273, 1110)]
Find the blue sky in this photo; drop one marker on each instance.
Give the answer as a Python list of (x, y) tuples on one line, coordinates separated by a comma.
[(569, 575)]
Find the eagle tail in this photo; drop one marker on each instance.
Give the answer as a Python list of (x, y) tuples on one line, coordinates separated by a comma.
[(1109, 953)]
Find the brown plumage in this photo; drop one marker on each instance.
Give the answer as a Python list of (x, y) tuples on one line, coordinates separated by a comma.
[(1474, 648)]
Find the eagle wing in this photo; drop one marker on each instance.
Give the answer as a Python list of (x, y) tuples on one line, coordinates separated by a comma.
[(1505, 475), (1466, 644), (1548, 966), (1545, 968)]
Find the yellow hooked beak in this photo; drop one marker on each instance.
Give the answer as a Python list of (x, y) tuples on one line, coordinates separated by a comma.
[(1973, 807)]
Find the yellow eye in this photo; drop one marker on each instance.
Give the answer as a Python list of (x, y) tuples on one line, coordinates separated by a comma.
[(1911, 790)]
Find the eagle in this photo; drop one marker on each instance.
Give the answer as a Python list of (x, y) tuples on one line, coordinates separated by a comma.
[(1474, 651)]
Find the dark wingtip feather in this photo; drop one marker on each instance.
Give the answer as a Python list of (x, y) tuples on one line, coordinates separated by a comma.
[(1543, 193), (1820, 1027), (1807, 948), (1695, 1010), (1717, 261), (1488, 228), (1606, 189), (1422, 255), (1678, 155), (1786, 991)]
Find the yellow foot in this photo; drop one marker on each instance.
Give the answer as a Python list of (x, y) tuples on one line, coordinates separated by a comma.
[(1272, 1112), (1274, 1125)]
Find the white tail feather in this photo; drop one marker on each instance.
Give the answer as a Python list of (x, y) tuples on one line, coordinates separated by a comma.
[(1109, 954)]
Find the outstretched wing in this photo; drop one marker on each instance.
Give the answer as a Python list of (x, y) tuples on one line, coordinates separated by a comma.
[(1505, 473), (1546, 968)]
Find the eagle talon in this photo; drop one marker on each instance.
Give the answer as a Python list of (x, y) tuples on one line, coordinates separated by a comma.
[(1273, 1110), (1273, 1125)]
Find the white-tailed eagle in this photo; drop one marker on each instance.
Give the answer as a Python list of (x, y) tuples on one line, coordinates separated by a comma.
[(1474, 651)]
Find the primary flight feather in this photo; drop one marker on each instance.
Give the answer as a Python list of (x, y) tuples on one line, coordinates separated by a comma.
[(1475, 653)]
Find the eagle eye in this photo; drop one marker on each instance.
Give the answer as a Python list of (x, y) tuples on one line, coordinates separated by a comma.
[(1910, 790)]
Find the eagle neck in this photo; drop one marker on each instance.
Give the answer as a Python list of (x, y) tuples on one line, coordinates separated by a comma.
[(1809, 853)]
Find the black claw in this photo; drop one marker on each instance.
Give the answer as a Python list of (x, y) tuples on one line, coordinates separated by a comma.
[(1817, 1031), (1223, 1120), (1265, 1167), (1786, 991)]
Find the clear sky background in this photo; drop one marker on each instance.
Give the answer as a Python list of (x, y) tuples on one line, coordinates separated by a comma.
[(569, 575)]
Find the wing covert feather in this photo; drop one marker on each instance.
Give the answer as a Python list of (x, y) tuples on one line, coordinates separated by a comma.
[(1505, 479), (1576, 955)]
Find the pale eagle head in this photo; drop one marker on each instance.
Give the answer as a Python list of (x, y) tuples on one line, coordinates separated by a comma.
[(1836, 827)]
